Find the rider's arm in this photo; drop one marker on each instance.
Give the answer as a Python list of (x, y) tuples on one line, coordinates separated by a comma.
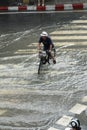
[(50, 47), (51, 44), (39, 46)]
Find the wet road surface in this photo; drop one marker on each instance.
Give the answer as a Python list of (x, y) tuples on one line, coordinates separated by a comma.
[(31, 101)]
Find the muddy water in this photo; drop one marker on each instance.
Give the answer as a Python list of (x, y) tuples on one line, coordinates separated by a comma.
[(28, 100)]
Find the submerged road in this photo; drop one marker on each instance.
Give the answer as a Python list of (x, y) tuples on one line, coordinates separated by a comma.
[(29, 101)]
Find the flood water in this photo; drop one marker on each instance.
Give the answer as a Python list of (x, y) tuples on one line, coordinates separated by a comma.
[(29, 101)]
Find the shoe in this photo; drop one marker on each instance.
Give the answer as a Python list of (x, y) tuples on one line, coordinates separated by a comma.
[(54, 61)]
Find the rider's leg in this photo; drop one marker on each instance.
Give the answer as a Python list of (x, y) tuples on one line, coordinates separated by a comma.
[(53, 57), (54, 51)]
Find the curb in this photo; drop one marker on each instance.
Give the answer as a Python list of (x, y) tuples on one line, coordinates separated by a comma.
[(57, 7)]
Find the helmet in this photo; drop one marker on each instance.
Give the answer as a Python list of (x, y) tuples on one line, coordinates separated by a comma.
[(44, 34), (75, 123)]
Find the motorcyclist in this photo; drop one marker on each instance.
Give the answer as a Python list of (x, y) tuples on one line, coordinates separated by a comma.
[(47, 44)]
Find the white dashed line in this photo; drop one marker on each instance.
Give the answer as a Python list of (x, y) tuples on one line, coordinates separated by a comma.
[(2, 112), (79, 21), (68, 37), (84, 99), (69, 32), (51, 128), (64, 121), (78, 108)]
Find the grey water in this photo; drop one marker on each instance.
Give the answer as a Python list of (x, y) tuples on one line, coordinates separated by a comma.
[(28, 100)]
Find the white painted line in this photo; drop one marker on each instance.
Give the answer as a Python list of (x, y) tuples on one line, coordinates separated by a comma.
[(64, 121), (14, 8), (56, 43), (75, 26), (79, 21), (68, 37), (84, 99), (84, 5), (31, 90), (69, 32), (78, 108), (31, 8), (27, 50), (32, 44), (51, 7), (2, 112), (13, 91), (51, 128), (24, 53), (62, 43), (68, 6)]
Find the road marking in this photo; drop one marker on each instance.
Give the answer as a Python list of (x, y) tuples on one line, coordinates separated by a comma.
[(32, 44), (69, 32), (13, 91), (26, 51), (76, 27), (58, 44), (33, 91), (64, 121), (51, 128), (84, 99), (2, 112), (78, 108), (79, 21), (68, 37), (62, 45)]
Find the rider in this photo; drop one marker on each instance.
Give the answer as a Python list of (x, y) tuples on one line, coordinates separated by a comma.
[(47, 43), (74, 125)]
